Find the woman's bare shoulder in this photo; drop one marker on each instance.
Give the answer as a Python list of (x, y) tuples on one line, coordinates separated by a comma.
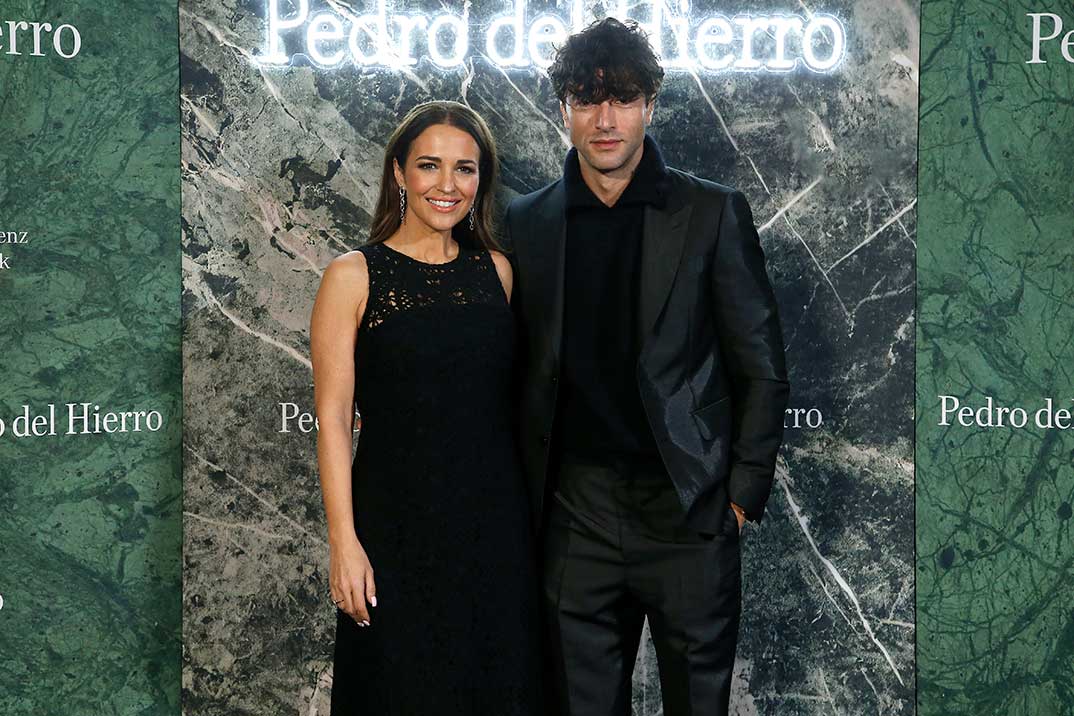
[(347, 273), (344, 287), (501, 261), (350, 264)]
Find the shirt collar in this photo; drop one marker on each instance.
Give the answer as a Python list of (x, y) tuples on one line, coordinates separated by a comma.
[(648, 185)]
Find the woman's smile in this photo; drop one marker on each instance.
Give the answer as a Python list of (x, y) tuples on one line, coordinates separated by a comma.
[(444, 205)]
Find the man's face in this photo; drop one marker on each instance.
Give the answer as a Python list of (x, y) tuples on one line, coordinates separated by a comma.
[(607, 135)]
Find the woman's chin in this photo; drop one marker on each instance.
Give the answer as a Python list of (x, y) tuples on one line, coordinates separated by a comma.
[(441, 222)]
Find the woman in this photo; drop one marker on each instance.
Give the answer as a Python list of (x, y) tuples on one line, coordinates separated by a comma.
[(430, 549)]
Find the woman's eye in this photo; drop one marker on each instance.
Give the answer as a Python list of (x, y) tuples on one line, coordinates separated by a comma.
[(468, 170), (427, 165)]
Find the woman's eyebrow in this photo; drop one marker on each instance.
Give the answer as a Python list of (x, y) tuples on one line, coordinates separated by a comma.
[(437, 159)]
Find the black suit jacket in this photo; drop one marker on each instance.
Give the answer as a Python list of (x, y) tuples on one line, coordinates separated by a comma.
[(711, 370)]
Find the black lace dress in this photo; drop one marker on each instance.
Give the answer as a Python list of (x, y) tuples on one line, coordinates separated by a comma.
[(440, 506)]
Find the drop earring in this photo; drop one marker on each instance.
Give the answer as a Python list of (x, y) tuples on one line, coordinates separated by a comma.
[(402, 205), (473, 208)]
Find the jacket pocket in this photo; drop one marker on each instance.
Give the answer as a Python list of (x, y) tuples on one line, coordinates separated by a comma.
[(714, 419)]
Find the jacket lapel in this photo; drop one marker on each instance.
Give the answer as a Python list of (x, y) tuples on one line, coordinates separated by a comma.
[(552, 223), (663, 239)]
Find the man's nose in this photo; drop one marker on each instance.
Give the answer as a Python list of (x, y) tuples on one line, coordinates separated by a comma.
[(605, 115)]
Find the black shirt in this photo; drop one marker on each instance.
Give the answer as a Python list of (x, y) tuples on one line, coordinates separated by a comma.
[(602, 414)]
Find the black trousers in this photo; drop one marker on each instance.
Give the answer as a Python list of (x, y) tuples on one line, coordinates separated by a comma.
[(616, 552)]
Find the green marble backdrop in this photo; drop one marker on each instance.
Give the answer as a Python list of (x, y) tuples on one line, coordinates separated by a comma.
[(90, 309), (995, 562)]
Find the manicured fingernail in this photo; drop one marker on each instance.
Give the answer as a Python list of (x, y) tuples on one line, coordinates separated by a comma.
[(373, 601), (365, 623)]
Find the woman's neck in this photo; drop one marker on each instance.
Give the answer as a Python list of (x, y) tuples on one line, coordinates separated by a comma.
[(423, 242)]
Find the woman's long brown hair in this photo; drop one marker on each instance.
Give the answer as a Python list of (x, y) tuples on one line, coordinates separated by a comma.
[(386, 215)]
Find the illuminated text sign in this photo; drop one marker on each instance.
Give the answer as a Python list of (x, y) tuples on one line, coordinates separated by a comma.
[(517, 39)]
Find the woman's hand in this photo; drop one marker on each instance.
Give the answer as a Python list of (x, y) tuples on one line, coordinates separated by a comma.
[(350, 577)]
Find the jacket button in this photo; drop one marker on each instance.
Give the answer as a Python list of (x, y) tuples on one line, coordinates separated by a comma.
[(544, 439), (555, 379)]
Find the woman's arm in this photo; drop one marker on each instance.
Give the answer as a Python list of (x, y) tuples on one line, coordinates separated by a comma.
[(337, 312), (503, 270)]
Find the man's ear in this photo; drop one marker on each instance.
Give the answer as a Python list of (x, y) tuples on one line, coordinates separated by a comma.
[(398, 174), (649, 112), (563, 114)]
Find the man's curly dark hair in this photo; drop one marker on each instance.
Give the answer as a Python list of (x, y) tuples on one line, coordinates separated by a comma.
[(627, 65)]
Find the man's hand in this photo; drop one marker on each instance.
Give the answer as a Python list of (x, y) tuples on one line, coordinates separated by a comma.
[(741, 516)]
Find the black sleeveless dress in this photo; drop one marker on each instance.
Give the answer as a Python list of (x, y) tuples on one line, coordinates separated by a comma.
[(439, 502)]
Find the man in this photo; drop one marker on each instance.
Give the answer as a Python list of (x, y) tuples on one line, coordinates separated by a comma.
[(653, 392)]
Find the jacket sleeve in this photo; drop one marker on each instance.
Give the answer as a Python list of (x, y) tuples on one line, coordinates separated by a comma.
[(751, 345), (509, 239)]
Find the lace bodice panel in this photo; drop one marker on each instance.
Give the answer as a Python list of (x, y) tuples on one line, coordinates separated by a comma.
[(399, 283)]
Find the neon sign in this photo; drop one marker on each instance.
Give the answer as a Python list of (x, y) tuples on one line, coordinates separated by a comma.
[(386, 38)]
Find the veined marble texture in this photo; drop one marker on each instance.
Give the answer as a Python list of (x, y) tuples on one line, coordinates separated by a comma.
[(995, 549), (280, 170), (90, 530)]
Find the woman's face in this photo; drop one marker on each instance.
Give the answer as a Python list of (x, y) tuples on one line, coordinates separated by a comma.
[(440, 177)]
